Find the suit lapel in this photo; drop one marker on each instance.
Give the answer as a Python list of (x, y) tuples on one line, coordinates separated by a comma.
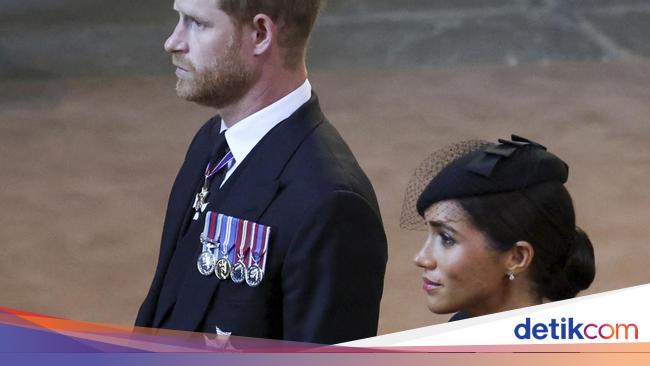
[(185, 187), (246, 194), (178, 215)]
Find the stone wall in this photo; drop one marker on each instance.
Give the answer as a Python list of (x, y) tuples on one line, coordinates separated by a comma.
[(77, 38)]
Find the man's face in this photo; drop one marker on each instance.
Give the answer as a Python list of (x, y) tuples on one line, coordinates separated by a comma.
[(206, 49)]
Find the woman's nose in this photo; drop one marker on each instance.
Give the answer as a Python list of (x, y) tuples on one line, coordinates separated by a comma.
[(424, 258)]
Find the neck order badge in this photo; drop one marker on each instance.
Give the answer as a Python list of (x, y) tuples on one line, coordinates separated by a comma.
[(200, 201), (227, 240)]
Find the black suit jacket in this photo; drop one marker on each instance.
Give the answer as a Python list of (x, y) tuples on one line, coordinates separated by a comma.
[(327, 254)]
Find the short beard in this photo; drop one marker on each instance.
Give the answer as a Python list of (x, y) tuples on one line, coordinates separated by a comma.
[(222, 84)]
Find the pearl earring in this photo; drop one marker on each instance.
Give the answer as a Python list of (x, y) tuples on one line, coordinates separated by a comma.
[(511, 275)]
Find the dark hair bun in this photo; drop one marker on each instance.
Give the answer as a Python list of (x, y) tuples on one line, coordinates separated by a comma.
[(578, 272)]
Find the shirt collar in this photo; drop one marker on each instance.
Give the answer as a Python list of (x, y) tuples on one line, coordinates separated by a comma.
[(245, 134)]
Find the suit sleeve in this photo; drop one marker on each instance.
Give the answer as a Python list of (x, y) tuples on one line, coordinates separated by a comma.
[(333, 273)]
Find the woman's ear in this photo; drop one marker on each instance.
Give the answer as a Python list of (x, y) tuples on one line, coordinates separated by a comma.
[(264, 31), (519, 257)]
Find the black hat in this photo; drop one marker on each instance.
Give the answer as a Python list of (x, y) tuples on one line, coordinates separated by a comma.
[(494, 168)]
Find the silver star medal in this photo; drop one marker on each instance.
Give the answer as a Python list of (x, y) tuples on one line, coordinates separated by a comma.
[(221, 340), (200, 202)]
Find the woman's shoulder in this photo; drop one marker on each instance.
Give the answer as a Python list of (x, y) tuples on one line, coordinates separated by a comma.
[(459, 316)]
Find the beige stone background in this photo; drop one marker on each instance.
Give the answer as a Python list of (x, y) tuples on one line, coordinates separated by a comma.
[(87, 161)]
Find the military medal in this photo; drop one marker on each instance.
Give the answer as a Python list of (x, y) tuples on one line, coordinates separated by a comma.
[(255, 271), (223, 269), (254, 276), (200, 201), (234, 248), (207, 261), (223, 266), (238, 274)]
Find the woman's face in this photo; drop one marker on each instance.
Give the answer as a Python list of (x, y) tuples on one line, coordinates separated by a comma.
[(461, 271)]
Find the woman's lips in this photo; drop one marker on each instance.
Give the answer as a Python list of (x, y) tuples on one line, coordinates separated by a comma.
[(429, 285)]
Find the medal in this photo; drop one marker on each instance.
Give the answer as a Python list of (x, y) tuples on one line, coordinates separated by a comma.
[(222, 269), (200, 201), (238, 274), (255, 272), (207, 261), (254, 276), (234, 248), (223, 266)]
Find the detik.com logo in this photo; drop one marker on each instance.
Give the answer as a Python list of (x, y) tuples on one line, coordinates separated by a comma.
[(568, 328)]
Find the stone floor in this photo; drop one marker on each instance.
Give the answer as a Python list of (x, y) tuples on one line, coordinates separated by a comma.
[(87, 165)]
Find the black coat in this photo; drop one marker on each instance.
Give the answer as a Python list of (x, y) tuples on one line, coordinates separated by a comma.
[(327, 253)]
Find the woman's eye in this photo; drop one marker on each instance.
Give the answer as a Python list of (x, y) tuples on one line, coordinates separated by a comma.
[(446, 239)]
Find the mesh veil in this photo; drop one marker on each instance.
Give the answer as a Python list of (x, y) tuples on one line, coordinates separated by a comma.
[(425, 172)]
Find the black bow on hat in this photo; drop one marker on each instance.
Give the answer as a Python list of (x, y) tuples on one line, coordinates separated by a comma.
[(484, 163), (510, 165)]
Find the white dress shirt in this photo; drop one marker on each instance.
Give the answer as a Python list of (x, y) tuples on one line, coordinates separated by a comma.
[(245, 134)]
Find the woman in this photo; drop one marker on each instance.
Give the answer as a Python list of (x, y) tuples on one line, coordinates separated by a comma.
[(502, 231)]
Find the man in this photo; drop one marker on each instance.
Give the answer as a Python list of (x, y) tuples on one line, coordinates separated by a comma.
[(316, 275)]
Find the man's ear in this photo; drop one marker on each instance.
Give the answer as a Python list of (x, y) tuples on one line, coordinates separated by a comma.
[(264, 31), (519, 257)]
